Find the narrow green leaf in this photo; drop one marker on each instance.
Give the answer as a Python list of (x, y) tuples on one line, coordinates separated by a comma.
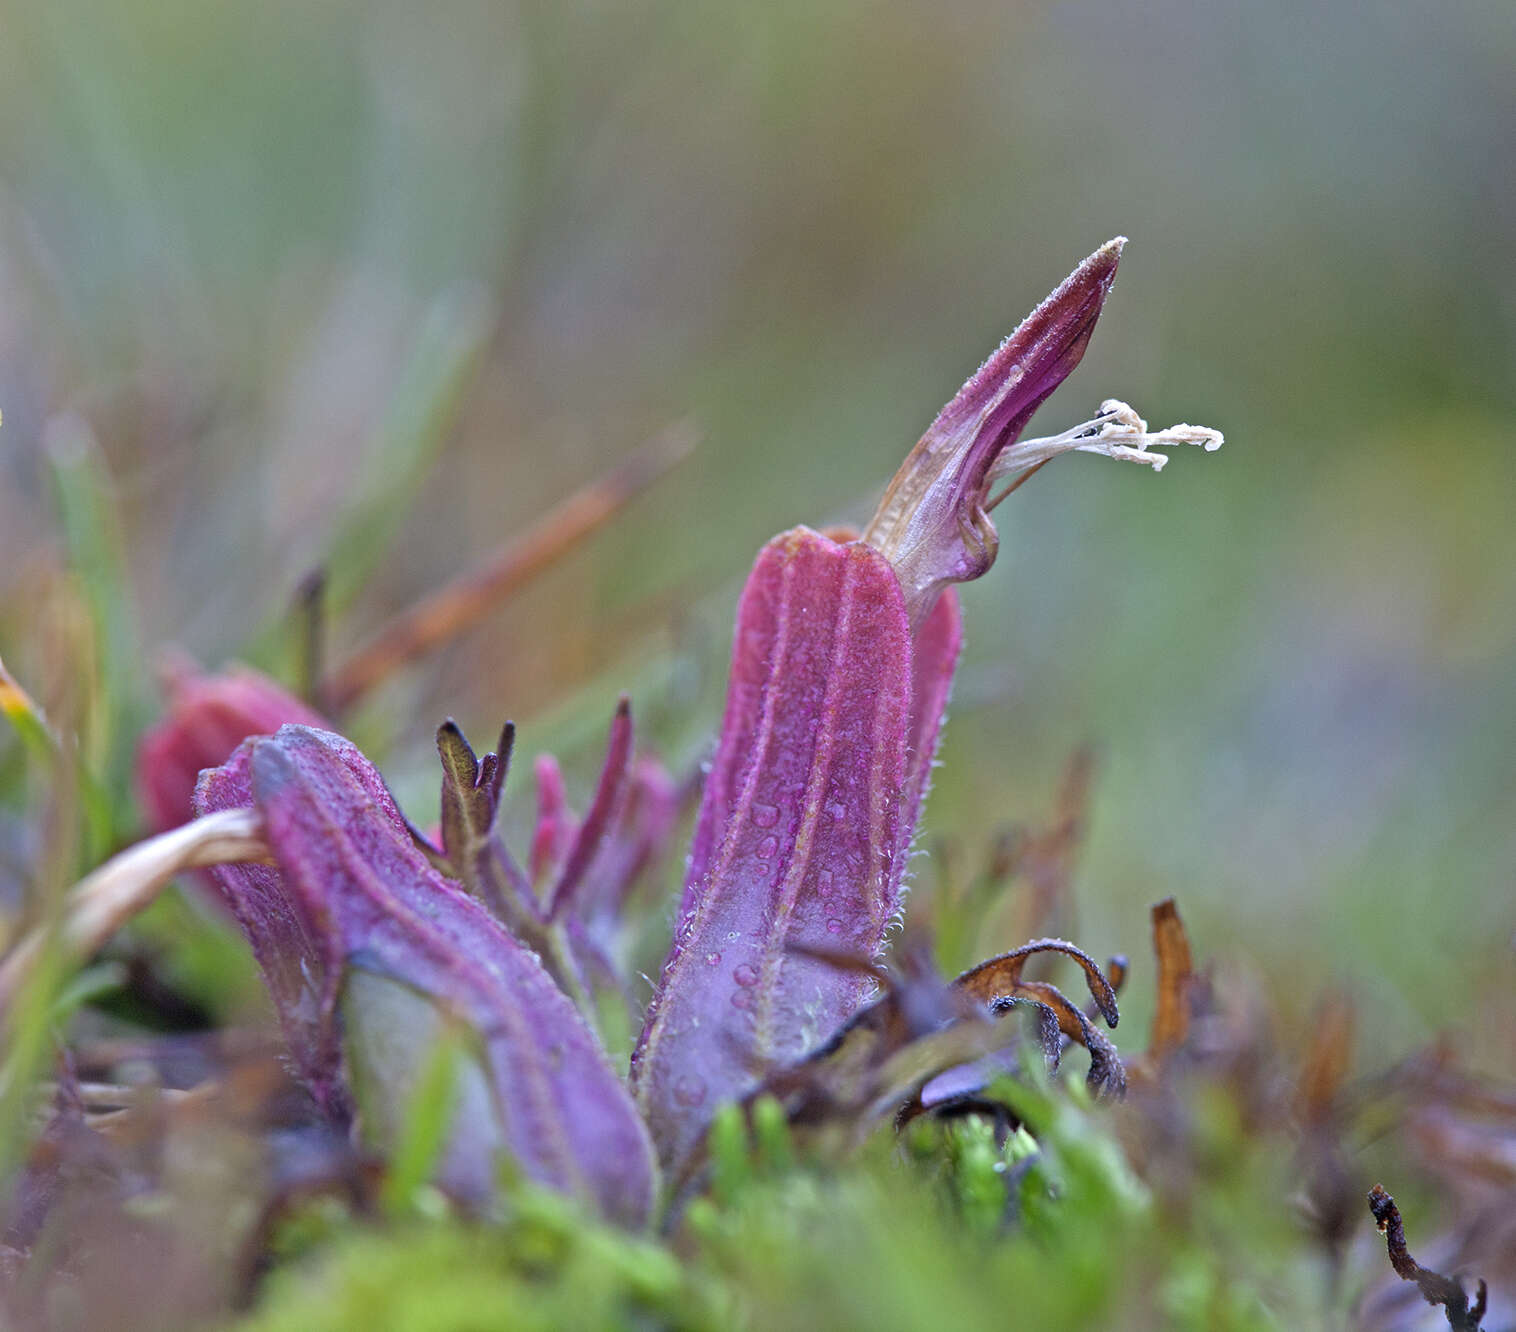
[(86, 502), (26, 717), (425, 1131)]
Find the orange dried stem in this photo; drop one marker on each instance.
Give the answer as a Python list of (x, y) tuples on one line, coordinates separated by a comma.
[(456, 607), (1171, 1018)]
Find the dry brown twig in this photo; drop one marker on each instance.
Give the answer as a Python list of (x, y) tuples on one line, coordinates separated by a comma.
[(1462, 1315), (459, 605), (106, 898)]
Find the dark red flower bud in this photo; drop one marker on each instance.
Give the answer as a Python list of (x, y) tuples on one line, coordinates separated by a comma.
[(207, 717)]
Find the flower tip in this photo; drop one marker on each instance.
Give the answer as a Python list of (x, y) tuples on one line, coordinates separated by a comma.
[(1093, 275), (932, 523), (1098, 267)]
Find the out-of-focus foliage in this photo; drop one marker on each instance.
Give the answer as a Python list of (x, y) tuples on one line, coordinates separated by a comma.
[(883, 1246), (373, 285), (226, 232)]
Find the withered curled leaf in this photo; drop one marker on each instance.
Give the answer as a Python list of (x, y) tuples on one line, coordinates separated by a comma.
[(876, 1061), (998, 983)]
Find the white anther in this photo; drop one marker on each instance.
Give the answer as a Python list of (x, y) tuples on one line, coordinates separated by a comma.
[(1117, 432)]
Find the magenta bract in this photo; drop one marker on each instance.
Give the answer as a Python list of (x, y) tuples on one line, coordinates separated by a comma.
[(804, 830)]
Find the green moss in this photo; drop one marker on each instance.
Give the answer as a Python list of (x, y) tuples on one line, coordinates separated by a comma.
[(547, 1267), (950, 1227)]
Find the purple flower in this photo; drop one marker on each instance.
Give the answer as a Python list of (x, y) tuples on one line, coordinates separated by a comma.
[(373, 940)]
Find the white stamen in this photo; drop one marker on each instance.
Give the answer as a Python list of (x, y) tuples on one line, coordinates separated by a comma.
[(1117, 432)]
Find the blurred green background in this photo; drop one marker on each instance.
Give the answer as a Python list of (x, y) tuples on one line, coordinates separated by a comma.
[(378, 283)]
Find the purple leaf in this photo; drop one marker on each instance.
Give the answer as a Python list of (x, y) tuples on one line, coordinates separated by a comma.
[(601, 815), (802, 836), (555, 828), (643, 832), (598, 932), (291, 938), (933, 523), (374, 904)]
